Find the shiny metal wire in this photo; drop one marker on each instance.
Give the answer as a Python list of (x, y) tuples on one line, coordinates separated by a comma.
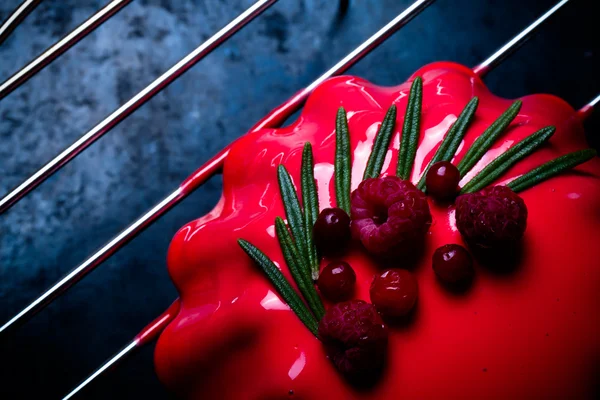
[(54, 51), (133, 104)]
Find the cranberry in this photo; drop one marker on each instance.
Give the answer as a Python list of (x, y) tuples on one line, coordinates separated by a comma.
[(452, 263), (332, 230), (394, 292), (442, 180), (336, 281)]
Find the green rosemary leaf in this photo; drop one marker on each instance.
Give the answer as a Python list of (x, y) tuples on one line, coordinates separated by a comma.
[(410, 130), (293, 212), (283, 287), (487, 138), (502, 163), (310, 200), (453, 138), (343, 168), (551, 168), (382, 142), (293, 260)]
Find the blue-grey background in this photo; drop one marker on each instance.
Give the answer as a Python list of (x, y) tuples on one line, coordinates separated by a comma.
[(146, 157)]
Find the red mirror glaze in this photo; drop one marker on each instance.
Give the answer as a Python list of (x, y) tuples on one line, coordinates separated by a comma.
[(529, 333)]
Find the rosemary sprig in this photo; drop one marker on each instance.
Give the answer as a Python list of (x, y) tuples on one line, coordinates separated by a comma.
[(551, 168), (382, 142), (410, 130), (310, 200), (294, 262), (502, 163), (487, 138), (293, 212), (283, 287), (452, 140), (343, 168)]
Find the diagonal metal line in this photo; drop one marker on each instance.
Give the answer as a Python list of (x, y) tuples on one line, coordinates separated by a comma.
[(133, 104), (16, 17), (54, 51), (515, 43)]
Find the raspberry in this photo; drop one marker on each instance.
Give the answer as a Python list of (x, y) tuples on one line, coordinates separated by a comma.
[(355, 338), (389, 215), (494, 218)]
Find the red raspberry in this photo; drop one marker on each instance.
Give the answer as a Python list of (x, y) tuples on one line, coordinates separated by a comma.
[(494, 218), (389, 215), (355, 338)]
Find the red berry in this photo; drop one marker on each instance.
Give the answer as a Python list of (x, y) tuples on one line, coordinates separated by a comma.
[(336, 281), (355, 337), (389, 215), (394, 292), (452, 263), (494, 218), (442, 180), (331, 232)]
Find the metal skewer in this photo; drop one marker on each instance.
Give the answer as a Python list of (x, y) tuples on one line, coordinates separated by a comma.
[(16, 17), (585, 111), (205, 172), (147, 335), (515, 43), (133, 104), (53, 52), (280, 114)]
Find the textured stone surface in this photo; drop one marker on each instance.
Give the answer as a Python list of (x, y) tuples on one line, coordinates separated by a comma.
[(144, 158)]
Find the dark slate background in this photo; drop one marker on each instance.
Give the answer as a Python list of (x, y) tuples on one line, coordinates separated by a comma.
[(146, 157)]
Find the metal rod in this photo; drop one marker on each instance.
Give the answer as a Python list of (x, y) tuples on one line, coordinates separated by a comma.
[(203, 174), (136, 102), (53, 52), (93, 261), (371, 43), (501, 54), (594, 102), (147, 335), (352, 58), (16, 17), (585, 111), (200, 176), (117, 358)]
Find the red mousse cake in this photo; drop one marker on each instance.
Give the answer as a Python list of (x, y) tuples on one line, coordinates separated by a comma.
[(428, 240)]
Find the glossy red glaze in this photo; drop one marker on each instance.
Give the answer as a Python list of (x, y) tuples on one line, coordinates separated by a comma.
[(530, 333)]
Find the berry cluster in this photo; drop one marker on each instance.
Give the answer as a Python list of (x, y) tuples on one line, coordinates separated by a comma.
[(389, 217), (493, 219)]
